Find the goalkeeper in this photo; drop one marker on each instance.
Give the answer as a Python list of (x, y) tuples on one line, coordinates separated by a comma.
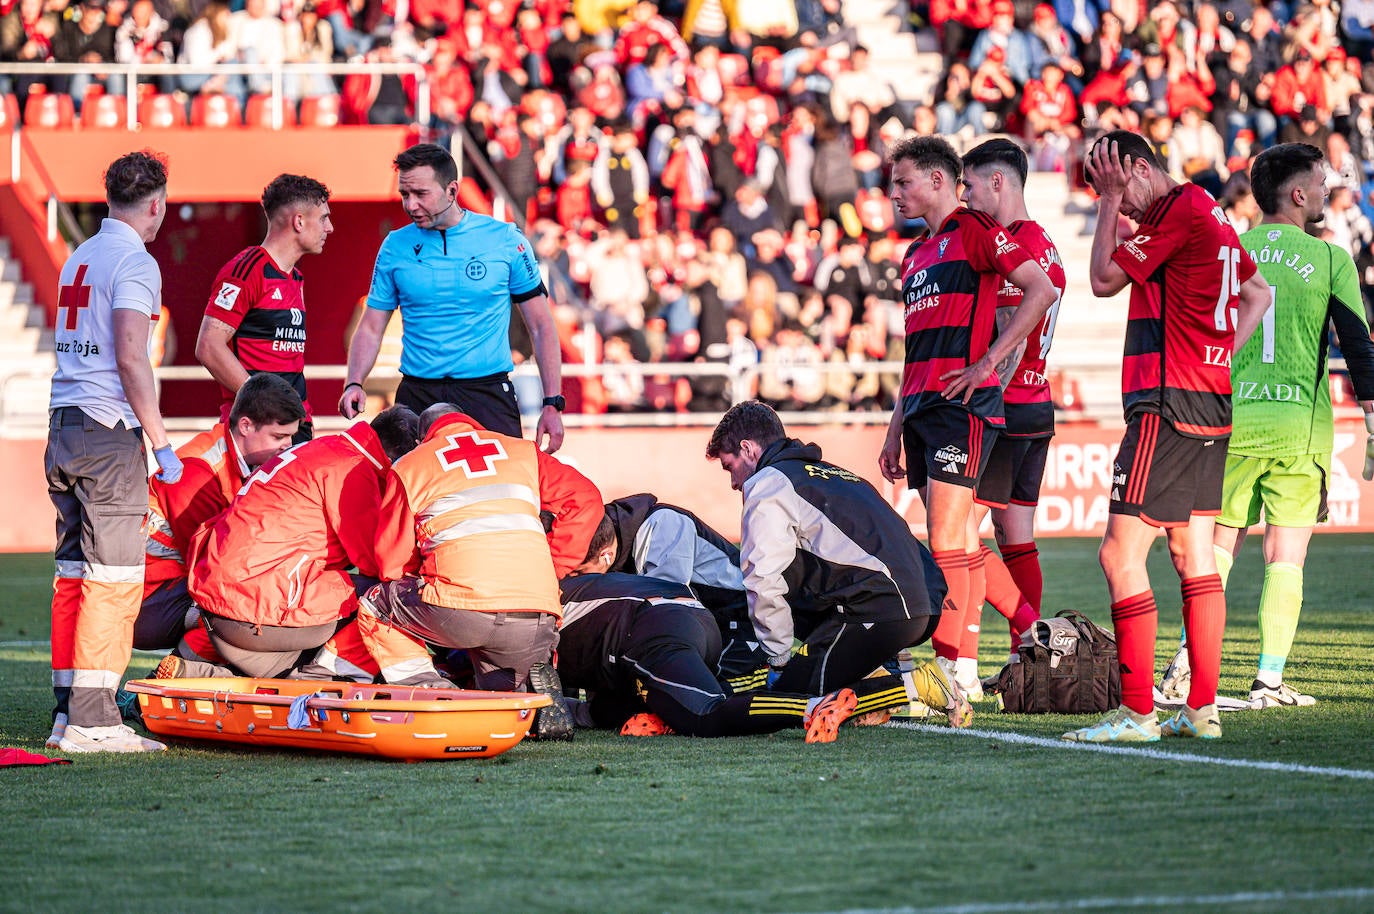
[(1281, 444)]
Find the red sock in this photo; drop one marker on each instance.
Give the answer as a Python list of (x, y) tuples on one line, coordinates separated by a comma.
[(1025, 617), (949, 630), (1003, 593), (1204, 618), (973, 609), (1023, 564), (1136, 620)]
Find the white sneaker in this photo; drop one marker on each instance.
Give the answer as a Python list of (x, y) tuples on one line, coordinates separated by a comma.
[(973, 688), (1282, 695), (107, 739), (59, 730), (1178, 676)]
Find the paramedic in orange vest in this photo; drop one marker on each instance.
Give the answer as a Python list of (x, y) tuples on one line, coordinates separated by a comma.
[(270, 574), (266, 413), (463, 509)]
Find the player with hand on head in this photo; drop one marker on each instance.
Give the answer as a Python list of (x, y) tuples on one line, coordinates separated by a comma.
[(255, 319), (950, 408), (1195, 295), (1281, 442)]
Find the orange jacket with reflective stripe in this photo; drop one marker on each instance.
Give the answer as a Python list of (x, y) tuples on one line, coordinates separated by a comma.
[(279, 554), (464, 508), (212, 472)]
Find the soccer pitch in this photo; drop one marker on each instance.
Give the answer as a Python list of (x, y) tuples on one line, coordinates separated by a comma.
[(1276, 817)]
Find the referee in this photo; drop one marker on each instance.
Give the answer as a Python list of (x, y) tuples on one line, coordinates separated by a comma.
[(453, 275)]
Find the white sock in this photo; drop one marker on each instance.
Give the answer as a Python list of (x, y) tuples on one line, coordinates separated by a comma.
[(966, 669), (1270, 679)]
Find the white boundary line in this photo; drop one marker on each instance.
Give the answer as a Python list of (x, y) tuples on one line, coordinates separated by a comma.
[(1139, 751), (1138, 901)]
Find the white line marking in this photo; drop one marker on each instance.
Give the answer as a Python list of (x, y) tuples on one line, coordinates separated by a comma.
[(1138, 751), (1138, 901)]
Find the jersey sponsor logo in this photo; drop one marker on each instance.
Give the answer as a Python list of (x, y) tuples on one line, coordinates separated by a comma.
[(1217, 355), (922, 298), (417, 249), (1004, 244), (475, 270), (476, 456), (228, 294), (822, 472), (82, 348), (1273, 236), (1133, 247), (297, 317), (952, 458), (1254, 390)]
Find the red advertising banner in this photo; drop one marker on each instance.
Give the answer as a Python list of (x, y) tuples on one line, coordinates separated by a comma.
[(671, 463)]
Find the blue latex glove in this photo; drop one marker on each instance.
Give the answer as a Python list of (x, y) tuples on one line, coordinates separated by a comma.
[(169, 464), (774, 674)]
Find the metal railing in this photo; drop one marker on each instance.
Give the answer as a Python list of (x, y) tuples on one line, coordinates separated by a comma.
[(276, 72)]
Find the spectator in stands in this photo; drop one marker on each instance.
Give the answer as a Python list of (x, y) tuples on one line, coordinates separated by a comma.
[(86, 38), (309, 39), (619, 285), (1342, 86), (1348, 226), (601, 92), (749, 213), (869, 148), (1312, 28), (1050, 41), (1341, 166), (579, 140), (832, 172), (1357, 24), (620, 181), (1308, 128), (1239, 204), (624, 389), (1266, 44), (1164, 27), (1298, 85), (993, 87), (651, 84), (861, 83), (520, 159), (798, 149), (957, 23), (1149, 89), (207, 42), (861, 390), (1004, 34), (957, 111), (1241, 97), (728, 270), (843, 279), (450, 88), (1197, 146), (1106, 50), (377, 98), (1051, 118), (1210, 41), (711, 22), (769, 259), (647, 29), (496, 81), (260, 38), (574, 197)]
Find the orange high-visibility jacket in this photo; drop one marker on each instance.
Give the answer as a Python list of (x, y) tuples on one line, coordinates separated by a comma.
[(277, 555), (212, 472), (463, 508)]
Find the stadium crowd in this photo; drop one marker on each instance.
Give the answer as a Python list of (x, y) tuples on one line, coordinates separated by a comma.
[(710, 179)]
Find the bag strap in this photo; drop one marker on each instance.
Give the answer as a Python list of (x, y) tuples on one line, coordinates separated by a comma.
[(1087, 628)]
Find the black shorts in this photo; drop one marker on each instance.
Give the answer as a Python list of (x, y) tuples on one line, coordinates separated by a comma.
[(946, 443), (1015, 469), (489, 400), (1163, 477)]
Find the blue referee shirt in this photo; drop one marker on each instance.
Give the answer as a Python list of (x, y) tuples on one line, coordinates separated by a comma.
[(454, 288)]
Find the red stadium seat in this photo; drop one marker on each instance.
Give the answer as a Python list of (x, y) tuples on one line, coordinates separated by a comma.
[(259, 112), (161, 111), (49, 109), (104, 112), (321, 111), (215, 110), (9, 112)]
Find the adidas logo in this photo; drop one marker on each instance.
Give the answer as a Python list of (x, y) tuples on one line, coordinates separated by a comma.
[(276, 294)]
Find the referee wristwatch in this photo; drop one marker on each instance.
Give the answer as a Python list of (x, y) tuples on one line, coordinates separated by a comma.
[(557, 402)]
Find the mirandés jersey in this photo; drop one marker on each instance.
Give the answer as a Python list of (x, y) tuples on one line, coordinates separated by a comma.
[(949, 291), (1280, 397), (1030, 409), (1186, 266), (454, 288), (266, 308)]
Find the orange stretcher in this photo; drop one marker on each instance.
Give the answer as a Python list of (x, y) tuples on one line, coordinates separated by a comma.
[(390, 721)]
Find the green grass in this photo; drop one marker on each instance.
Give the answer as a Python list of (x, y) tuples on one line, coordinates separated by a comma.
[(882, 819)]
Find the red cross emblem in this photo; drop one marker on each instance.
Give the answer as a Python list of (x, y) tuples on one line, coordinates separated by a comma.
[(75, 297), (475, 455)]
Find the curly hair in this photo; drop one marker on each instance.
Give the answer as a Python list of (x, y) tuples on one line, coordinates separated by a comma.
[(928, 153), (751, 420), (135, 177)]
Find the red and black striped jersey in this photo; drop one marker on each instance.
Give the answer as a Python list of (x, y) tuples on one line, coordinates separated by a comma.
[(1030, 409), (1186, 265), (266, 308), (949, 293)]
